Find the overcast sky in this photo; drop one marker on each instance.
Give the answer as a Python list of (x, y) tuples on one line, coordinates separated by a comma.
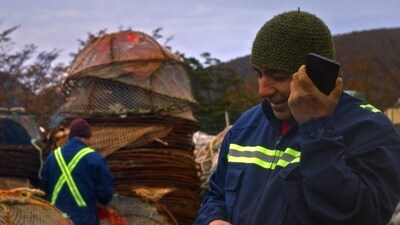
[(224, 28)]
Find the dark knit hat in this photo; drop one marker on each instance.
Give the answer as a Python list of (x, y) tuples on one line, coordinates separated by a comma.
[(79, 128), (283, 42)]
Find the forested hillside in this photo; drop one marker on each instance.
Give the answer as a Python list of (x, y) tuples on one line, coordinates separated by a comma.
[(370, 64)]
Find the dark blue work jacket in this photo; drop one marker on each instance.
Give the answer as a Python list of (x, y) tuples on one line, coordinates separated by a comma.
[(339, 169), (93, 180)]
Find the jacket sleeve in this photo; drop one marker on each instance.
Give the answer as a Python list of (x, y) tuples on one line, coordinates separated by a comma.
[(353, 180), (48, 166), (103, 182), (45, 180), (213, 206)]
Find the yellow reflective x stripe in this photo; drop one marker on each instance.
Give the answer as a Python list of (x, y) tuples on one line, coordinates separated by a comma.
[(262, 156), (370, 107), (66, 176)]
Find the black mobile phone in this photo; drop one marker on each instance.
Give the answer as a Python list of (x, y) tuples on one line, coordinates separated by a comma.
[(322, 71)]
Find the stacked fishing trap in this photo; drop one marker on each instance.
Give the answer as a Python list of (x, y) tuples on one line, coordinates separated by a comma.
[(137, 97), (20, 166), (20, 161)]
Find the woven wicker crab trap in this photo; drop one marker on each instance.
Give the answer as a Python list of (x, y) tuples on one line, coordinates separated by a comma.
[(137, 98)]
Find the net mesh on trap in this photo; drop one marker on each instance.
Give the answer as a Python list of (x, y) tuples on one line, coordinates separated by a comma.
[(126, 73), (23, 206), (108, 139), (134, 210)]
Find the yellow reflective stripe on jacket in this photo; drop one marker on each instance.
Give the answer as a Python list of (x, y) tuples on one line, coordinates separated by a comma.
[(67, 177), (261, 156), (370, 107)]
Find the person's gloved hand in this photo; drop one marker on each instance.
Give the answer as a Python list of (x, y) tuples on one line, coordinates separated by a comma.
[(307, 102)]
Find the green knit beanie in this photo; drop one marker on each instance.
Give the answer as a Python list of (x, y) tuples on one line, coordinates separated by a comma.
[(284, 41)]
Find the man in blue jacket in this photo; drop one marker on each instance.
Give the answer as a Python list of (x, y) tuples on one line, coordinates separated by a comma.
[(77, 177), (303, 157)]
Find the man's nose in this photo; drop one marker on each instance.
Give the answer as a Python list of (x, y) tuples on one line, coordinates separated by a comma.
[(266, 86)]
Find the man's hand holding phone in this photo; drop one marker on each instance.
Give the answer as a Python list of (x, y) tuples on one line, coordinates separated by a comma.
[(307, 102), (322, 71)]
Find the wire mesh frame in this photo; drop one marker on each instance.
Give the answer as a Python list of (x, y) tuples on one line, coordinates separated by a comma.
[(169, 78), (100, 97)]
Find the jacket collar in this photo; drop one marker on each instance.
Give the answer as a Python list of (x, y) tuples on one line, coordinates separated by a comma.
[(76, 142), (275, 122), (269, 114)]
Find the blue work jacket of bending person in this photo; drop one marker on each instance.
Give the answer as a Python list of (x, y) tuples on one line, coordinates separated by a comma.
[(341, 169), (90, 175)]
